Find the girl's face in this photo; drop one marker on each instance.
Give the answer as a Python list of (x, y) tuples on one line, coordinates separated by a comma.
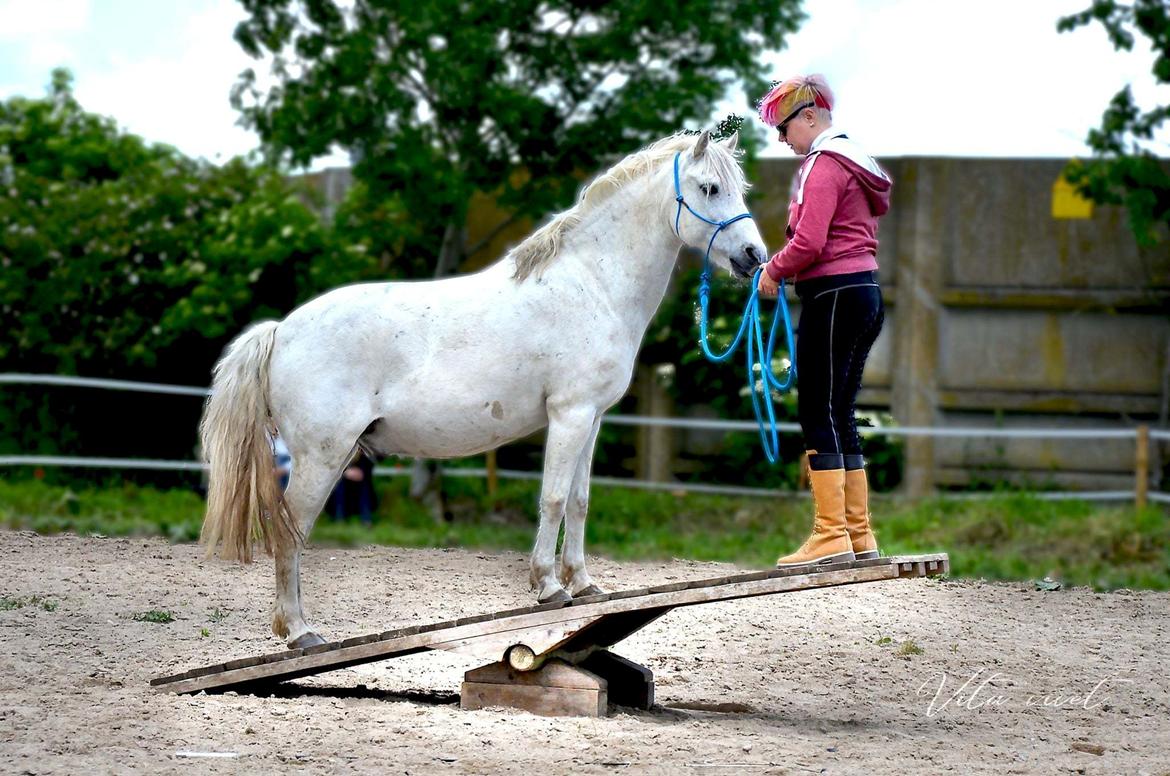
[(798, 131)]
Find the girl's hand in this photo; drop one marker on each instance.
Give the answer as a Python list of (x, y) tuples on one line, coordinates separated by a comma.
[(767, 286)]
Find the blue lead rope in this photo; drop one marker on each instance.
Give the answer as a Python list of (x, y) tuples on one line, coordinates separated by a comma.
[(758, 356)]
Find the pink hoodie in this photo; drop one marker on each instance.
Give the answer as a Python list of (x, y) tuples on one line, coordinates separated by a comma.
[(832, 219)]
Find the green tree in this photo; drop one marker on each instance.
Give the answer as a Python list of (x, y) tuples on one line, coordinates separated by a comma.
[(119, 256), (122, 259), (439, 99), (1123, 170)]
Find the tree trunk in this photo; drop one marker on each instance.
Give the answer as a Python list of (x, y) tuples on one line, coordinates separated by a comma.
[(451, 250)]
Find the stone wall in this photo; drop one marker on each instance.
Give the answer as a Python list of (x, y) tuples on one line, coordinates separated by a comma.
[(1003, 315)]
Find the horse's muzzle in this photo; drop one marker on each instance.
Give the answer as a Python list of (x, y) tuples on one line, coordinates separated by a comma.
[(745, 265)]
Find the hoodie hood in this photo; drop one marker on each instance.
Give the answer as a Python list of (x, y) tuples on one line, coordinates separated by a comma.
[(874, 181)]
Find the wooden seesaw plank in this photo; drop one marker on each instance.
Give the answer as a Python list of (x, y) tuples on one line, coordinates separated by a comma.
[(594, 621)]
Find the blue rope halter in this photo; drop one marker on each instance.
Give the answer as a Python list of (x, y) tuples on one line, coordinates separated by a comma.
[(757, 354)]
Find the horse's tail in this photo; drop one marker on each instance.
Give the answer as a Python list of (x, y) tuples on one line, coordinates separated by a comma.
[(244, 500)]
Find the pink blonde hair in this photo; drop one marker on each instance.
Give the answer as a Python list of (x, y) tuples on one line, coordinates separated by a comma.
[(784, 99)]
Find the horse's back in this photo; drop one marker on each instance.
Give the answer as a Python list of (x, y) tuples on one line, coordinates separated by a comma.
[(452, 367)]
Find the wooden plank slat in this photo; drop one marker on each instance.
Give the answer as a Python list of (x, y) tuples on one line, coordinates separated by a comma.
[(280, 666), (393, 634)]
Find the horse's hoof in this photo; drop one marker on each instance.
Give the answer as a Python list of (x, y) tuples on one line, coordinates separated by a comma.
[(557, 597), (306, 640), (588, 591)]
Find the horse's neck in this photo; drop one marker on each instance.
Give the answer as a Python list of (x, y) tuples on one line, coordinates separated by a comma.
[(626, 249)]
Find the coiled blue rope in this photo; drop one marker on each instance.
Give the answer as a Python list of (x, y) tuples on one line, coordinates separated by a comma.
[(758, 355)]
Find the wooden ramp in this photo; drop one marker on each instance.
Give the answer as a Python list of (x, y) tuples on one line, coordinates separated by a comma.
[(548, 658)]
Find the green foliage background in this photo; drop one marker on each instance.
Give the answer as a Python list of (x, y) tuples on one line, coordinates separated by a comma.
[(129, 260), (121, 259), (1124, 168), (439, 100)]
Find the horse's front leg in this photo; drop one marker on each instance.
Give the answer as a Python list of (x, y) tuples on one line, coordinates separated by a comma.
[(569, 432), (574, 577)]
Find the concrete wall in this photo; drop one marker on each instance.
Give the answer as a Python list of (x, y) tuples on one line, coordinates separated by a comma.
[(1002, 315)]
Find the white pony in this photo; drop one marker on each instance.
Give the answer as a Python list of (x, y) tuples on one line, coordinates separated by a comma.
[(454, 367)]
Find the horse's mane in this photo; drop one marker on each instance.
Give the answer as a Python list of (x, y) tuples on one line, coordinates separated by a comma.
[(539, 249)]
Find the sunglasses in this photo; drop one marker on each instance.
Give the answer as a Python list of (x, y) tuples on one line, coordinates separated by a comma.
[(782, 127)]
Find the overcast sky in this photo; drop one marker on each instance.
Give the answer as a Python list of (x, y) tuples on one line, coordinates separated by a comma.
[(912, 77)]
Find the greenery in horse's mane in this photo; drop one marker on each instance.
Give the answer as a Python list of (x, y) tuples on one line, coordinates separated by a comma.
[(730, 125), (542, 247)]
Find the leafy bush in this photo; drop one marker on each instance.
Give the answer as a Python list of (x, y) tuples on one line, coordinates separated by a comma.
[(129, 260), (118, 254)]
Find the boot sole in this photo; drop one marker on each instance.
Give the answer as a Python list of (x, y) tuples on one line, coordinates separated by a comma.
[(867, 555), (840, 557)]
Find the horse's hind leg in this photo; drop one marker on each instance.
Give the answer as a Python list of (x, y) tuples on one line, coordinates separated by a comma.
[(311, 482), (569, 431), (573, 574)]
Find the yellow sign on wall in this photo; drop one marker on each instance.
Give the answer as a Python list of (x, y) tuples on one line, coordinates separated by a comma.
[(1067, 203)]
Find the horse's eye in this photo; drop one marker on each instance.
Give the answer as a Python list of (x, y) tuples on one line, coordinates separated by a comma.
[(709, 189)]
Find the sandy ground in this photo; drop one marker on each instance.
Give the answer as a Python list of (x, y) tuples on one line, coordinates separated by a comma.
[(1009, 680)]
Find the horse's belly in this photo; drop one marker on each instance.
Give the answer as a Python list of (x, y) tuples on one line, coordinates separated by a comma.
[(453, 429)]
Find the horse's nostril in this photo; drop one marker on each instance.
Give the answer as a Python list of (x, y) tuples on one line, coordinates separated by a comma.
[(753, 254)]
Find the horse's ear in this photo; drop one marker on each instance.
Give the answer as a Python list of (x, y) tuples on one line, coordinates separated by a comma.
[(732, 142), (701, 146)]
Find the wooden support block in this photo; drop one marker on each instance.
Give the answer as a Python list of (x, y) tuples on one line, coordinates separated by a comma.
[(545, 701), (630, 684), (557, 689)]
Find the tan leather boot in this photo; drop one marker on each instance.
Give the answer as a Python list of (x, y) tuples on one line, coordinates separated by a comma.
[(829, 542), (857, 511)]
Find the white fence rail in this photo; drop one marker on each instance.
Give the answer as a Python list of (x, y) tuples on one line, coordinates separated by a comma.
[(1141, 435), (19, 378)]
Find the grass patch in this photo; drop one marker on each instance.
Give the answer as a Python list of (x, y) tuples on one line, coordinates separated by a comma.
[(154, 615), (908, 648), (40, 602), (1008, 537)]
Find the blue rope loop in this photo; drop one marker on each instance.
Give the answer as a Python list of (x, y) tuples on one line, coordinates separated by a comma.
[(757, 353)]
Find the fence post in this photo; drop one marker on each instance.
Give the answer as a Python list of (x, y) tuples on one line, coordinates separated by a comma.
[(655, 450), (493, 475), (922, 273), (1142, 466)]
